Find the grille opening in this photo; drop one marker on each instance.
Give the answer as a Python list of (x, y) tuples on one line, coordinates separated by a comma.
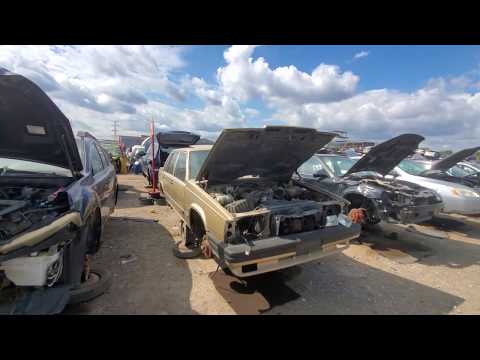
[(249, 268)]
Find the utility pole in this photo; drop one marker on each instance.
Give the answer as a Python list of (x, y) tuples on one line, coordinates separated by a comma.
[(115, 137)]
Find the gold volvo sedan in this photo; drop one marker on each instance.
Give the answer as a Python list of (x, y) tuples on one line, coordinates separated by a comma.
[(238, 202)]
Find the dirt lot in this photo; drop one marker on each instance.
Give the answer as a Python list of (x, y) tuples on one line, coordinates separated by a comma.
[(428, 269)]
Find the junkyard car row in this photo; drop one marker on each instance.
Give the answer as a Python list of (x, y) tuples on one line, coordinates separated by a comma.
[(257, 200)]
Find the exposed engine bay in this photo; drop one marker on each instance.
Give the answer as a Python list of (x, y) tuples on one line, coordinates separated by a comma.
[(269, 209), (29, 207), (403, 193), (390, 200)]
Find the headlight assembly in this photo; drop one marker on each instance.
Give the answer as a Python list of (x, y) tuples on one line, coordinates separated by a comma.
[(463, 192)]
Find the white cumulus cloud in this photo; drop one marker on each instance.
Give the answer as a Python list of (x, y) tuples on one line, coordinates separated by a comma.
[(245, 78)]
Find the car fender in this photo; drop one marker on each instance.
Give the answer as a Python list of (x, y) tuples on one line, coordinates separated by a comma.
[(83, 199), (200, 212)]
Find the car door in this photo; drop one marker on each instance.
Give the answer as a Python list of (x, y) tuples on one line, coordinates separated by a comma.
[(178, 186), (111, 178), (100, 179), (166, 177)]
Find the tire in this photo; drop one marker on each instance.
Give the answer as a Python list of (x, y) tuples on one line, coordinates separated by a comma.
[(116, 195), (89, 290), (193, 253)]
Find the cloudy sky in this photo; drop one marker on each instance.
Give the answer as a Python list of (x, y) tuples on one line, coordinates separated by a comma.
[(372, 92)]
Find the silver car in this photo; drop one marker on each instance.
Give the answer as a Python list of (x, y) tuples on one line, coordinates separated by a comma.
[(457, 198)]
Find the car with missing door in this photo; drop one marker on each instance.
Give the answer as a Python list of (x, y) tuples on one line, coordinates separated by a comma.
[(56, 194), (237, 200)]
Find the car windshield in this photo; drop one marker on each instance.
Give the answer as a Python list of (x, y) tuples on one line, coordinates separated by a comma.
[(16, 165), (412, 167), (339, 165), (197, 159)]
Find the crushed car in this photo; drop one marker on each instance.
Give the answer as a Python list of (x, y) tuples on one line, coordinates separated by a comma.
[(365, 183), (239, 204), (56, 194)]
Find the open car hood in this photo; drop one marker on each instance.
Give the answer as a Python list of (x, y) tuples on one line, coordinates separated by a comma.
[(453, 159), (273, 152), (385, 156), (32, 127)]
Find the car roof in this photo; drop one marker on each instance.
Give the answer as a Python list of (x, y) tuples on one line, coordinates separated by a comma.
[(195, 148)]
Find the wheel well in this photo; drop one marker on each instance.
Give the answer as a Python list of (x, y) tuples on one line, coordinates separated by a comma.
[(94, 243), (196, 223), (356, 200)]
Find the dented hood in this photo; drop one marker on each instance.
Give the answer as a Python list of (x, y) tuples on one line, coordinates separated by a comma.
[(453, 159), (273, 152), (385, 156), (32, 127)]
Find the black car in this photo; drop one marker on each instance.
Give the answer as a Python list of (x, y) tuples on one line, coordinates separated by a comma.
[(364, 184), (165, 143), (56, 194)]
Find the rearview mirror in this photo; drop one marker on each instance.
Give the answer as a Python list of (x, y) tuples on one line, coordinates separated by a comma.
[(320, 174)]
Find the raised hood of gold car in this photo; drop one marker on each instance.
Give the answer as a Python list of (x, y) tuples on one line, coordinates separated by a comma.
[(272, 152)]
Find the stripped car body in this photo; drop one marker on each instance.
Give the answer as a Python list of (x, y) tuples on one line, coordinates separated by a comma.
[(52, 208), (364, 185), (238, 196)]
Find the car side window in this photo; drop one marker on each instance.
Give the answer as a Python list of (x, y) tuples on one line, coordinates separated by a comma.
[(181, 166), (105, 157), (97, 164), (170, 163)]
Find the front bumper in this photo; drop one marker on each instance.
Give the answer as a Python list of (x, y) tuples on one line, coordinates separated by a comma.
[(31, 301), (418, 214), (274, 253), (462, 205)]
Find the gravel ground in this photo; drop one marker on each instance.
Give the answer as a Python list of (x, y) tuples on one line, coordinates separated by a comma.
[(429, 269)]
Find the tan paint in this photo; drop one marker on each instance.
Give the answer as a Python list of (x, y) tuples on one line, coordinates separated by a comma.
[(34, 237)]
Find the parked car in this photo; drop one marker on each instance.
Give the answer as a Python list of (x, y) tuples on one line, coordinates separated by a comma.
[(471, 169), (363, 183), (164, 144), (56, 194), (447, 169), (457, 197), (116, 154), (237, 200)]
